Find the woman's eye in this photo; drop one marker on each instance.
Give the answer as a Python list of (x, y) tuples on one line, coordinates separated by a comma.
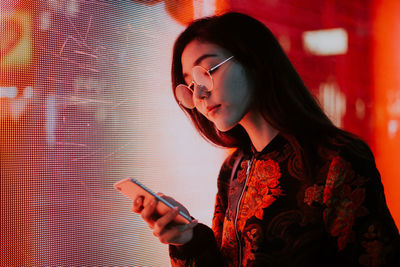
[(207, 64), (211, 65)]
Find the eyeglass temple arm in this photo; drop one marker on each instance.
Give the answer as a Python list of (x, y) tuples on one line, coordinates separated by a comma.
[(217, 66)]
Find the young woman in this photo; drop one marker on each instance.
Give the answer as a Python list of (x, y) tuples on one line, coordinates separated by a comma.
[(297, 191)]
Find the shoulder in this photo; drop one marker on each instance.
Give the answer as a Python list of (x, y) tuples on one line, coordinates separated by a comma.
[(349, 152), (351, 166), (359, 155), (229, 163), (346, 174)]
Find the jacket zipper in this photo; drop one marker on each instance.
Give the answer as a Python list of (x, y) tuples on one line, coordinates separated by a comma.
[(249, 165)]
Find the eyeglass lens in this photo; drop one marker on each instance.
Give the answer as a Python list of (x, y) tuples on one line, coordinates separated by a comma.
[(202, 80), (185, 96)]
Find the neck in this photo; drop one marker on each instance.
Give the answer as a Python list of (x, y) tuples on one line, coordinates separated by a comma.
[(259, 130)]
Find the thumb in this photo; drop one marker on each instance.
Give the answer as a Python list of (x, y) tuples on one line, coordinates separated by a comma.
[(188, 226)]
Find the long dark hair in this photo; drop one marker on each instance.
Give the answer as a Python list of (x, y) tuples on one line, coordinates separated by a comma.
[(281, 96)]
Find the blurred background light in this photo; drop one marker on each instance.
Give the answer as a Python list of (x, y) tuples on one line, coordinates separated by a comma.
[(326, 42), (8, 92)]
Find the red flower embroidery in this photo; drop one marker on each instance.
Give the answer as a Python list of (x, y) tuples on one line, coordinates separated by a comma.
[(229, 243), (343, 223), (375, 249), (343, 203), (217, 221), (228, 232), (242, 172), (267, 169), (313, 194), (177, 262), (262, 190), (374, 254), (252, 236), (338, 171)]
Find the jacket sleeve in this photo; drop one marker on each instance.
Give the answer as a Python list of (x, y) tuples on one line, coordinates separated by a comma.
[(356, 215), (204, 248)]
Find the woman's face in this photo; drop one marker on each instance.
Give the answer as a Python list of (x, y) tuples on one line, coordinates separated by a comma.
[(232, 94)]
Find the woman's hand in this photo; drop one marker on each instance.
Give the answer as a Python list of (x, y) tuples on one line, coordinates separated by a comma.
[(164, 227)]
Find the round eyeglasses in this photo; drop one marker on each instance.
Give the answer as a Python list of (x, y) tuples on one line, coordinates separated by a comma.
[(202, 79)]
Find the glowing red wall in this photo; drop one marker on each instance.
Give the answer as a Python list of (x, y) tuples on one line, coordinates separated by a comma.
[(367, 74)]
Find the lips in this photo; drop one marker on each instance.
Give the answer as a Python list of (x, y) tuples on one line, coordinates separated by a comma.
[(212, 109)]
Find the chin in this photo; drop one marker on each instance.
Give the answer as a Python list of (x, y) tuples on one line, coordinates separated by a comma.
[(224, 127)]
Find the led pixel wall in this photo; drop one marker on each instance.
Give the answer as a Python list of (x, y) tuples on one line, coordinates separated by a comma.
[(85, 100)]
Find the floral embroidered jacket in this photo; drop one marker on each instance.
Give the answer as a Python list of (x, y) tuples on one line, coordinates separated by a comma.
[(268, 213)]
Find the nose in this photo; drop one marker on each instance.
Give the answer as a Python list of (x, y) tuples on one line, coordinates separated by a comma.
[(200, 92)]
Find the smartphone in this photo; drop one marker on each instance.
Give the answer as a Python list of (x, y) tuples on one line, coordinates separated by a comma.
[(132, 189)]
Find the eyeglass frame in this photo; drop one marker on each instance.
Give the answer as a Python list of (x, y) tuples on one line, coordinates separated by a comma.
[(209, 72)]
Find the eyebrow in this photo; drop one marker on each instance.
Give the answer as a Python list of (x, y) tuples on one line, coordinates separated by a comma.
[(199, 60)]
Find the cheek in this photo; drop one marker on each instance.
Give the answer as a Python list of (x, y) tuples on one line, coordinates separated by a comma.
[(235, 93), (233, 112), (239, 91)]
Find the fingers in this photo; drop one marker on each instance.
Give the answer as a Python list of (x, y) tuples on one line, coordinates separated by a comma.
[(178, 235), (145, 209), (137, 205), (188, 226), (161, 223), (164, 227), (171, 233), (148, 211)]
